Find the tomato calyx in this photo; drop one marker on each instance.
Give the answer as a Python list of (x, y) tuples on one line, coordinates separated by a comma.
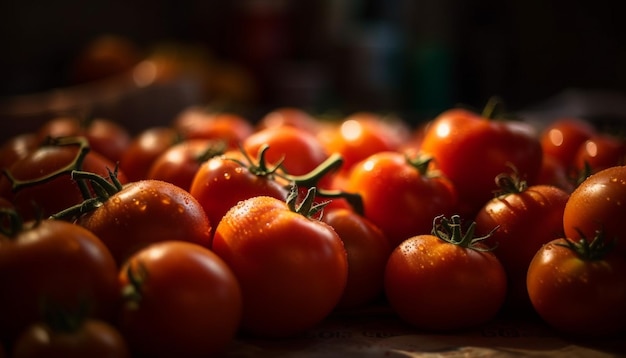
[(213, 149), (10, 222), (63, 320), (510, 183), (421, 162), (307, 206), (450, 231), (75, 164), (132, 292), (589, 250)]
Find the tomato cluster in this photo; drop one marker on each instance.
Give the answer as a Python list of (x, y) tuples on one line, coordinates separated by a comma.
[(182, 238)]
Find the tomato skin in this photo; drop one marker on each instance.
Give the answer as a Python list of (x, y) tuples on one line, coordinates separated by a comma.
[(598, 204), (145, 212), (94, 339), (199, 123), (525, 222), (221, 182), (397, 198), (57, 261), (289, 116), (144, 149), (273, 251), (562, 138), (367, 249), (180, 163), (583, 298), (17, 147), (600, 151), (438, 286), (190, 302), (47, 198), (471, 150)]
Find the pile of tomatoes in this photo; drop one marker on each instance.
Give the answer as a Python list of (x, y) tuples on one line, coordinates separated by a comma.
[(182, 238)]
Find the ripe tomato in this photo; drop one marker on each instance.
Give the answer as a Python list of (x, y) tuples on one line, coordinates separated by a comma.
[(223, 181), (144, 149), (599, 152), (367, 250), (444, 281), (526, 217), (471, 150), (92, 338), (40, 184), (54, 261), (181, 300), (201, 123), (579, 287), (180, 163), (562, 138), (357, 137), (289, 116), (142, 213), (292, 268), (16, 148), (299, 150), (400, 195), (598, 204), (554, 173), (106, 137)]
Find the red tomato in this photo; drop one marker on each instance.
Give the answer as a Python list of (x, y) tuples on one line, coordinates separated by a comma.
[(200, 123), (223, 181), (526, 217), (471, 150), (367, 250), (357, 137), (55, 261), (182, 300), (562, 138), (597, 204), (92, 338), (16, 148), (292, 268), (299, 150), (40, 184), (106, 137), (289, 116), (554, 173), (579, 287), (400, 196), (599, 152), (146, 212), (180, 163), (144, 149), (444, 282)]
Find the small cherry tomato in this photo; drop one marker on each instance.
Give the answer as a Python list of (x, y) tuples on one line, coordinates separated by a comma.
[(181, 300), (144, 149), (599, 152), (292, 268), (578, 287), (289, 116), (445, 281), (562, 138), (16, 148), (201, 123)]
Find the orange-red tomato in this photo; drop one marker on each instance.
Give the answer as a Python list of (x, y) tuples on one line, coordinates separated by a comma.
[(368, 251), (144, 149), (17, 147), (562, 138), (200, 123), (182, 300), (599, 152), (289, 116), (292, 268)]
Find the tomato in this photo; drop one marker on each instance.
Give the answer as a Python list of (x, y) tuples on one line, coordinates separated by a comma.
[(598, 204), (298, 151), (40, 184), (106, 137), (471, 149), (444, 281), (180, 163), (17, 147), (181, 300), (289, 116), (92, 338), (201, 123), (144, 212), (400, 195), (357, 137), (53, 261), (144, 149), (562, 138), (367, 250), (578, 287), (526, 217), (599, 152), (292, 268), (223, 181), (554, 173)]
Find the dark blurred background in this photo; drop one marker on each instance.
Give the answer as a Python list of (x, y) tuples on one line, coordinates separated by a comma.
[(416, 57)]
